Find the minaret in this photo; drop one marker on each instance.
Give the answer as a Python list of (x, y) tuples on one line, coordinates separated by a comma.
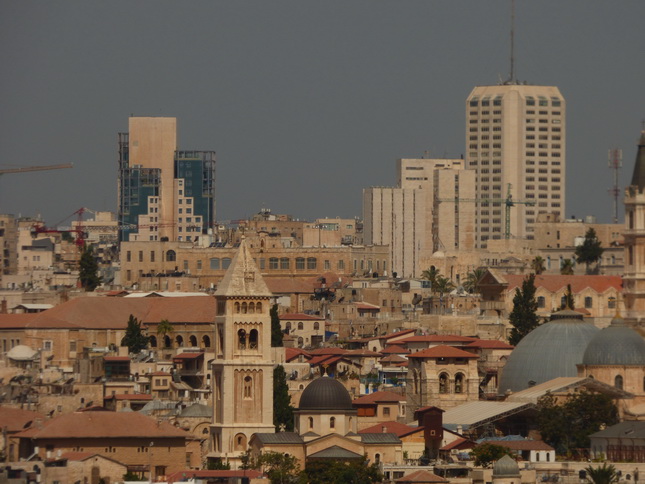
[(243, 367), (634, 235)]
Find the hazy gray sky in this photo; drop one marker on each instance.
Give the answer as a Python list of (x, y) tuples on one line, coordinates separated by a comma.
[(305, 102)]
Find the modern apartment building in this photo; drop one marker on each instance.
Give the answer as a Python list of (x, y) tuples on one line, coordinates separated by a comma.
[(421, 215), (163, 193), (516, 140), (8, 239)]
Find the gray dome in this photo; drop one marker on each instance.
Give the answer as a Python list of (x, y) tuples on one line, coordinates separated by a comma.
[(325, 393), (550, 351), (506, 467), (617, 344), (197, 410)]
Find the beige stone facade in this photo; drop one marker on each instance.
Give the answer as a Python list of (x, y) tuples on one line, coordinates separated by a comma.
[(153, 265), (8, 247), (516, 136)]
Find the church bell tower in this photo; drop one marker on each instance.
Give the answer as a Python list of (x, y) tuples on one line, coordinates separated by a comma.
[(243, 368)]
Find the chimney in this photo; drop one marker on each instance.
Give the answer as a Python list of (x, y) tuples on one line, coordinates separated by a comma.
[(3, 307)]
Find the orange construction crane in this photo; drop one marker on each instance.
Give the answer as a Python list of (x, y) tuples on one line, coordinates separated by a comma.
[(36, 168)]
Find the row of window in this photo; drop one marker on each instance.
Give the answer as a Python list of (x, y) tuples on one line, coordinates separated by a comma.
[(611, 302), (301, 326), (168, 342)]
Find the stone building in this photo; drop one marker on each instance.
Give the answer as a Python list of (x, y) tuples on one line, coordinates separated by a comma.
[(243, 366)]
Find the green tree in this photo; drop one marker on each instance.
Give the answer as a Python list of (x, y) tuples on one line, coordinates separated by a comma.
[(604, 474), (276, 330), (443, 285), (134, 338), (590, 251), (567, 427), (566, 269), (473, 278), (486, 454), (568, 299), (356, 471), (282, 408), (430, 274), (280, 468), (88, 270), (217, 465), (163, 328), (538, 265), (523, 317)]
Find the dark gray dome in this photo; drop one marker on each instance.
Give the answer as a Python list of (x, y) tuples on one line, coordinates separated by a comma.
[(325, 393), (617, 344), (550, 351), (197, 410), (506, 467)]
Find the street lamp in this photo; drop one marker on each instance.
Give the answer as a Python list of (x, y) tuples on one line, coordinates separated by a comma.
[(152, 444)]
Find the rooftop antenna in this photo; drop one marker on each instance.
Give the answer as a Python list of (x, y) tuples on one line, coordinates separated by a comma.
[(511, 79), (615, 164)]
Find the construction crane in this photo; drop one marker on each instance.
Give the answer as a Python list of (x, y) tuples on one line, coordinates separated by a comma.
[(508, 202), (35, 168)]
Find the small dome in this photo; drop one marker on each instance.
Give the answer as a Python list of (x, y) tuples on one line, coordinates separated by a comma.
[(550, 351), (21, 353), (506, 467), (325, 393), (617, 344)]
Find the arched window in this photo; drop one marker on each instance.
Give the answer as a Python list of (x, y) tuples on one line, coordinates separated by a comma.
[(301, 342), (244, 308), (179, 340), (332, 422), (251, 308), (443, 383), (311, 422), (167, 342), (171, 256), (316, 326), (237, 307), (284, 263), (240, 442), (206, 341), (193, 340), (618, 382), (588, 302), (215, 265), (541, 302), (301, 326), (377, 458), (459, 383), (312, 263), (258, 307), (248, 387), (226, 261), (241, 338), (287, 326), (253, 339), (300, 263), (273, 262), (153, 341)]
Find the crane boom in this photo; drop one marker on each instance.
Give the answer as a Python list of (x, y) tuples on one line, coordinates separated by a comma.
[(36, 168)]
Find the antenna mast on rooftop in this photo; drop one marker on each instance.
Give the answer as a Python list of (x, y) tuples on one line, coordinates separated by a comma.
[(615, 164), (511, 79)]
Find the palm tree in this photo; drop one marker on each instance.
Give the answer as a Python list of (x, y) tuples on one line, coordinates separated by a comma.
[(443, 285), (566, 269), (164, 328), (605, 474), (473, 278), (537, 265), (431, 275)]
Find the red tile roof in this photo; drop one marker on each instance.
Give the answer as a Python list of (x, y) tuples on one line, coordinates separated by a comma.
[(180, 476), (187, 356), (288, 285), (398, 428), (442, 351), (292, 353), (363, 353), (395, 349), (116, 358), (113, 313), (367, 306), (17, 321), (76, 455), (160, 373), (378, 397), (393, 359), (454, 444), (557, 282), (438, 338), (16, 419), (299, 317), (490, 344), (396, 334), (103, 425), (328, 351)]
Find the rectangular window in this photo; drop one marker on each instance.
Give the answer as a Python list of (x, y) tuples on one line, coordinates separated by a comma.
[(273, 263), (128, 256)]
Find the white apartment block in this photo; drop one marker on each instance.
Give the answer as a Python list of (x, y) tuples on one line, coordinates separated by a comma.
[(516, 136), (421, 215)]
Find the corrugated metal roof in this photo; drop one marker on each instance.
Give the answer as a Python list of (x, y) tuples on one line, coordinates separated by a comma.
[(380, 438), (474, 414), (629, 429), (335, 452), (279, 438)]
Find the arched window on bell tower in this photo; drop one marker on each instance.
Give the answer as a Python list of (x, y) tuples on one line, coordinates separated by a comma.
[(241, 338), (253, 339), (248, 387)]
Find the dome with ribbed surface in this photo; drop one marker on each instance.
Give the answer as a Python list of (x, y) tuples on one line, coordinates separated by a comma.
[(617, 344), (506, 467), (325, 393), (550, 351)]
